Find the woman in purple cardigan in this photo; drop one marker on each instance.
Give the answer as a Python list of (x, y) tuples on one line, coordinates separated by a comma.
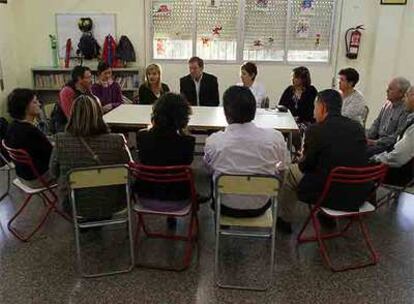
[(106, 89)]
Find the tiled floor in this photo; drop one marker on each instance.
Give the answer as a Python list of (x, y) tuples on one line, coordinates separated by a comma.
[(44, 270)]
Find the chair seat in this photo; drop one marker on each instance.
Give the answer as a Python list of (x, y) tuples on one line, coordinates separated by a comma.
[(6, 167), (263, 221), (29, 190), (365, 208), (138, 207)]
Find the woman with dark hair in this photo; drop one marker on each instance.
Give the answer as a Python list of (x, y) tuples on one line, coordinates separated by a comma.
[(248, 74), (80, 83), (353, 104), (166, 143), (300, 96), (106, 89), (153, 88), (24, 108), (87, 142)]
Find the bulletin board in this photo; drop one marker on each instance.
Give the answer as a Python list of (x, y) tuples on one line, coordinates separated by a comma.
[(67, 27)]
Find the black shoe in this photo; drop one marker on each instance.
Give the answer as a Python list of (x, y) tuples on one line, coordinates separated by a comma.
[(202, 198), (171, 223), (283, 226), (326, 221)]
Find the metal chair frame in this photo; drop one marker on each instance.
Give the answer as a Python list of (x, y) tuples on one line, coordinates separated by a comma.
[(46, 193), (7, 167), (165, 175), (95, 178), (247, 182), (350, 176)]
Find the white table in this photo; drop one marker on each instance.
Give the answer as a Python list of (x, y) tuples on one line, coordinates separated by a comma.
[(129, 117), (133, 117)]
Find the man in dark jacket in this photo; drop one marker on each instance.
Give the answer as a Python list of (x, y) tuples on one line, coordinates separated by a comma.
[(333, 141), (199, 88)]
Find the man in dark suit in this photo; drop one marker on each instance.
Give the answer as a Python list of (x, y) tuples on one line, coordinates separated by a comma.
[(333, 141), (199, 88)]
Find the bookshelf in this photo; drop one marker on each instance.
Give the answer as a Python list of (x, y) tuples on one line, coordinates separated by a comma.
[(48, 81)]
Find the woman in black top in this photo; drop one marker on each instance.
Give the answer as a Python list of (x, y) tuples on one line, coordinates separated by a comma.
[(24, 107), (300, 96), (152, 88), (166, 144)]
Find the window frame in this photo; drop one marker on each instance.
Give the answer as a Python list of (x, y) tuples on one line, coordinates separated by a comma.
[(333, 40)]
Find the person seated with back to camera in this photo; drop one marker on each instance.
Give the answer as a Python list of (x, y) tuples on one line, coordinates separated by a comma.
[(166, 143), (87, 142), (401, 157), (333, 141), (153, 88), (106, 89), (244, 149), (248, 74), (24, 107)]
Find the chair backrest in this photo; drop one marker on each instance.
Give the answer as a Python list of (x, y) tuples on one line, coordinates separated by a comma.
[(164, 174), (99, 191), (20, 156), (365, 117), (99, 176), (373, 176), (248, 184), (4, 162)]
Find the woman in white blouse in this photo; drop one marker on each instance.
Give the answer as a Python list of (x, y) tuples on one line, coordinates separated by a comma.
[(248, 74), (353, 105)]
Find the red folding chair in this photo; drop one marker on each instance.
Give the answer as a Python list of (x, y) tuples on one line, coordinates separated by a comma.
[(345, 176), (7, 167), (394, 191), (166, 175), (46, 193)]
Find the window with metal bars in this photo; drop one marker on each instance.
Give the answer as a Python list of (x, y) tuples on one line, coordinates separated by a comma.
[(233, 31)]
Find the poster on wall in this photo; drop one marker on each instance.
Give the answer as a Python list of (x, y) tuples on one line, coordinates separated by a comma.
[(162, 8), (307, 7), (303, 28), (67, 28), (261, 5)]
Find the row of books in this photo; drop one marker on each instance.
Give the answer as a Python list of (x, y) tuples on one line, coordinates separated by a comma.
[(57, 81)]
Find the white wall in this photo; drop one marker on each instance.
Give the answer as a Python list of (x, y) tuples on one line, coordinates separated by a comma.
[(385, 52), (7, 52)]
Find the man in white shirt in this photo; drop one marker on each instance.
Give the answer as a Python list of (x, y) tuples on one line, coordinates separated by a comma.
[(243, 148)]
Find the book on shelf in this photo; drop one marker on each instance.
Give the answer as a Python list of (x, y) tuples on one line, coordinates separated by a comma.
[(56, 81)]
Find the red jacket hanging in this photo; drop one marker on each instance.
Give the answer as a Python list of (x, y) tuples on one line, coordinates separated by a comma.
[(109, 51)]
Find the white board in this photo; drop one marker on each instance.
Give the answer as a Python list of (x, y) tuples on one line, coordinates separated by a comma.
[(67, 27)]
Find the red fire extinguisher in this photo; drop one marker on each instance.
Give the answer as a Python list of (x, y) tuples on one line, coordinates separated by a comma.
[(353, 41)]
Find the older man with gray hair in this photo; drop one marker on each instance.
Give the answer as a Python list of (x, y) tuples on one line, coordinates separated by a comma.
[(384, 131), (401, 158)]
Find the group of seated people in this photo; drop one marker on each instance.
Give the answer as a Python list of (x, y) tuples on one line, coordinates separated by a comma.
[(331, 124)]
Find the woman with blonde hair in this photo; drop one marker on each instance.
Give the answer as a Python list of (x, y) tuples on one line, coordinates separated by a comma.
[(87, 142), (152, 88)]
